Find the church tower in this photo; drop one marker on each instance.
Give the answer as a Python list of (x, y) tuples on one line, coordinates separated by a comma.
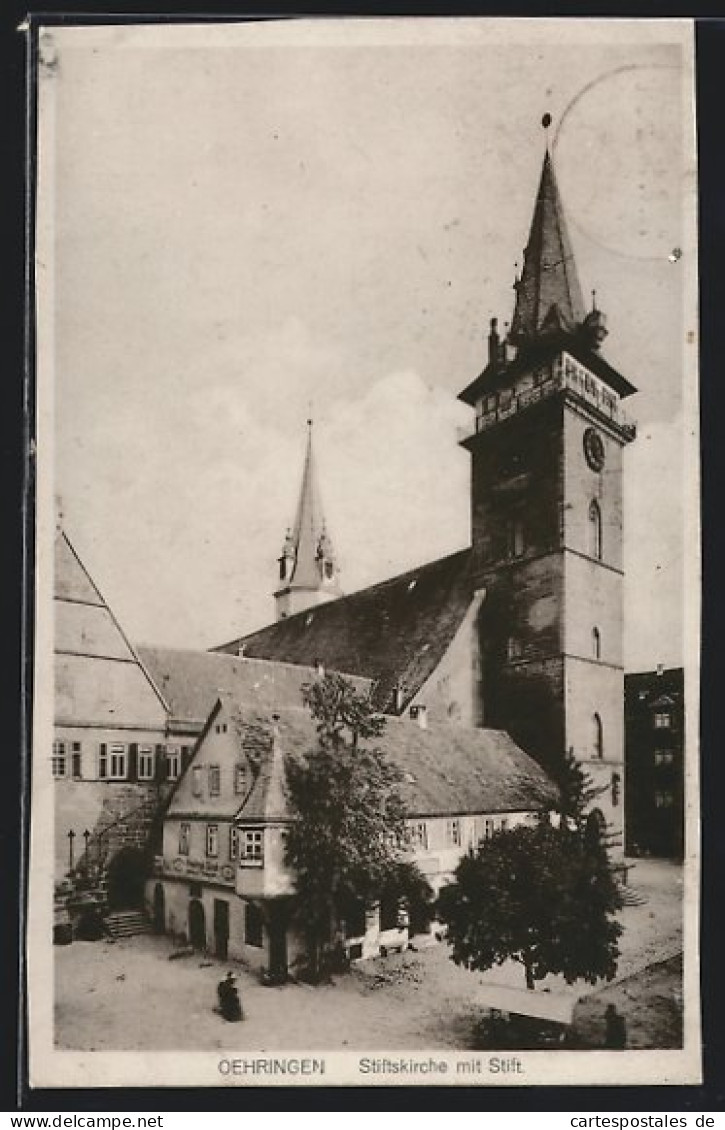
[(546, 497), (307, 566)]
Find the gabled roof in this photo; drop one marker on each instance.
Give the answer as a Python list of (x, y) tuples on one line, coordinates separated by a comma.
[(99, 677), (456, 770), (447, 770), (192, 681), (394, 633)]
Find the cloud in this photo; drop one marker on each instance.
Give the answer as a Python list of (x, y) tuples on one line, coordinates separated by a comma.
[(182, 536)]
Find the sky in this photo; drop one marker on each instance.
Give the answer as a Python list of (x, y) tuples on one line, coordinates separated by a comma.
[(248, 221)]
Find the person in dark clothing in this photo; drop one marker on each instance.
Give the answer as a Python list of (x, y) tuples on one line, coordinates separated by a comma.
[(229, 1003), (616, 1029)]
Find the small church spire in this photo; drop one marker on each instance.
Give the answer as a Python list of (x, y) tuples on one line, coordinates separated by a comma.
[(548, 294), (307, 566)]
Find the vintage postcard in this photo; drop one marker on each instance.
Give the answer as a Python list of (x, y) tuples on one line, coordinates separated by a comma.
[(364, 742)]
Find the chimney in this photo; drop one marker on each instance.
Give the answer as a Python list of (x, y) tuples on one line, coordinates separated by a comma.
[(240, 650), (494, 345), (397, 698), (319, 668), (660, 670), (419, 714)]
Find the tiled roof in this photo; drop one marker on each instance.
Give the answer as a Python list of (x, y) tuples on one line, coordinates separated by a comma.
[(191, 681), (447, 770), (394, 633)]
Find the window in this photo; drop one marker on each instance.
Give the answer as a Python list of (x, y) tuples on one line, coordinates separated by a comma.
[(453, 832), (251, 841), (240, 779), (173, 763), (596, 644), (184, 838), (663, 720), (58, 761), (102, 761), (215, 780), (616, 789), (196, 787), (76, 761), (594, 546), (145, 763), (488, 828), (233, 842), (513, 648), (329, 569), (117, 762), (663, 799), (418, 835), (504, 823), (253, 925), (212, 840), (598, 736), (664, 757)]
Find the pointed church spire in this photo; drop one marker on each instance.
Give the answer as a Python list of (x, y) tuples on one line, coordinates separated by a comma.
[(548, 294), (307, 564)]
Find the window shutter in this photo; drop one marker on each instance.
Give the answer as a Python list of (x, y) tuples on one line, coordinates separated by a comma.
[(102, 760), (132, 774), (160, 767)]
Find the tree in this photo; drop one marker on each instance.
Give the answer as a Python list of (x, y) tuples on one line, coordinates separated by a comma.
[(543, 895), (346, 842)]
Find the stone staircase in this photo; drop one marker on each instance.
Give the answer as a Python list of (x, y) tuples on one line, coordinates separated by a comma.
[(631, 896), (127, 923)]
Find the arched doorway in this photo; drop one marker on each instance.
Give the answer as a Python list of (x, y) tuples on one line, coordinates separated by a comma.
[(125, 879), (197, 925), (159, 909)]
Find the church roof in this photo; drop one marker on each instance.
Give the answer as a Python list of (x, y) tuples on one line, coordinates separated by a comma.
[(549, 314), (308, 537), (394, 633), (192, 681), (549, 283)]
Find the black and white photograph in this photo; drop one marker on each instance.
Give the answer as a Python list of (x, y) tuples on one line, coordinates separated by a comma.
[(365, 732)]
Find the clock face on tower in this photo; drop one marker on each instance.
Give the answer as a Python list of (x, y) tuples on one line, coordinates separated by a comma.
[(594, 449)]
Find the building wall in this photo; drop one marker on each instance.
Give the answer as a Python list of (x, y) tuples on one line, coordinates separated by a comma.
[(455, 692), (178, 896), (593, 599), (582, 485), (655, 763), (590, 689), (442, 854), (117, 813)]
